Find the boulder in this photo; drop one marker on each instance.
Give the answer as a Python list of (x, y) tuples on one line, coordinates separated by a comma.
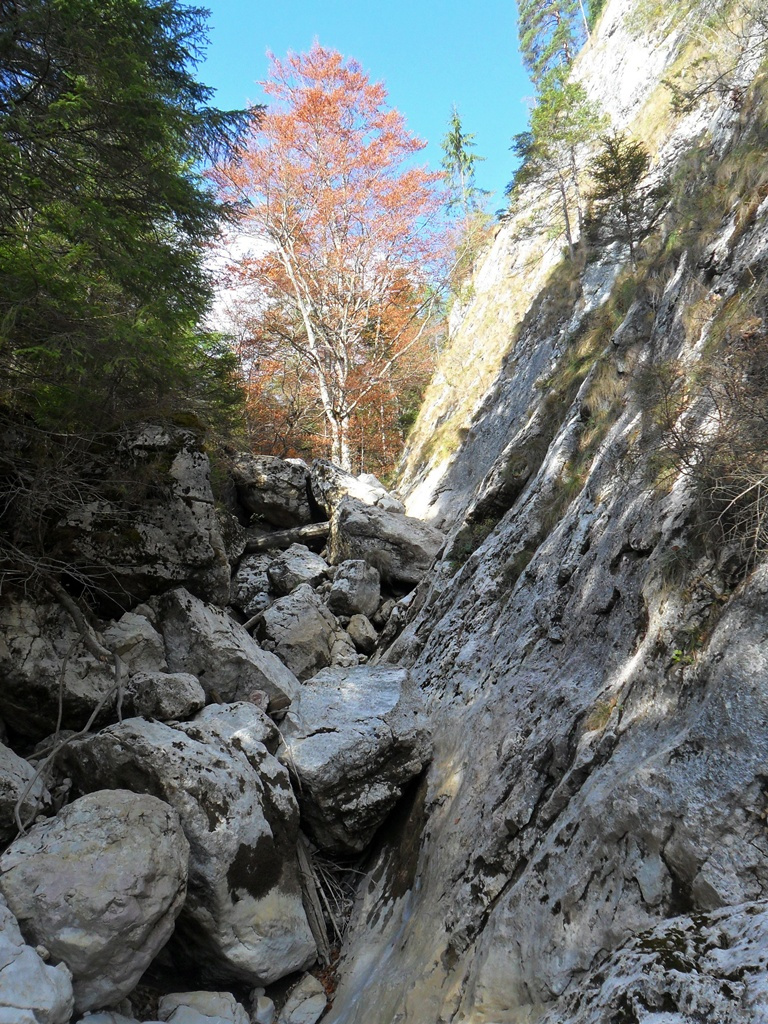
[(362, 634), (330, 484), (163, 695), (400, 547), (202, 1008), (227, 661), (15, 775), (170, 535), (100, 886), (295, 566), (300, 630), (251, 588), (31, 991), (41, 658), (305, 1004), (276, 490), (353, 738), (243, 920), (343, 651), (111, 1017), (137, 642), (356, 588)]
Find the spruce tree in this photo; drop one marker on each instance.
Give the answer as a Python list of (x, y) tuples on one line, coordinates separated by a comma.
[(104, 213), (459, 165), (551, 33)]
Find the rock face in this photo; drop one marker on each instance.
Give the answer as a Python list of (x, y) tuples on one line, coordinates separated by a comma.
[(354, 738), (204, 641), (400, 547), (31, 992), (243, 919), (589, 843), (275, 490), (173, 538), (100, 886)]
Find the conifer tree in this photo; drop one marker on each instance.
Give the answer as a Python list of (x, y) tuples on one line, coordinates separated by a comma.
[(563, 121), (459, 165), (551, 32), (625, 204)]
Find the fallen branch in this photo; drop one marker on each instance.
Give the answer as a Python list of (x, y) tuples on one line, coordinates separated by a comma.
[(284, 538)]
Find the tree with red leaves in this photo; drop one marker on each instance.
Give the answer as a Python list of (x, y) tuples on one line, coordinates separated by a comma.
[(354, 231)]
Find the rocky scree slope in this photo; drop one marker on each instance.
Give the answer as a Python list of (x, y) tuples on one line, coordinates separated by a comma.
[(589, 843), (187, 786)]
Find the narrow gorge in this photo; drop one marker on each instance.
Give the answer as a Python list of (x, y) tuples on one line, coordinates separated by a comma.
[(488, 748)]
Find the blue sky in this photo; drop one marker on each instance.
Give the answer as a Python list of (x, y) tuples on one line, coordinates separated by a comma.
[(429, 53)]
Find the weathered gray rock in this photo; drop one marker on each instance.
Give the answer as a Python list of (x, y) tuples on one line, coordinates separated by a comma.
[(100, 886), (300, 630), (16, 774), (243, 919), (137, 642), (251, 588), (708, 968), (330, 485), (295, 566), (202, 1008), (40, 648), (401, 548), (263, 1009), (275, 490), (227, 661), (343, 651), (305, 1004), (354, 738), (356, 588), (163, 695), (362, 633), (111, 1017), (31, 991), (174, 538)]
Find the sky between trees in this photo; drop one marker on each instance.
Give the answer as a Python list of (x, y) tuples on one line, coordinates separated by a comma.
[(431, 54)]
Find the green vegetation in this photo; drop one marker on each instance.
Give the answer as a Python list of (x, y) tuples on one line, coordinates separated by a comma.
[(104, 220), (104, 214), (560, 124), (459, 166), (624, 206), (551, 33)]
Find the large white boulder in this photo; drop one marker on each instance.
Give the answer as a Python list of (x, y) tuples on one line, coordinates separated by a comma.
[(353, 738), (202, 1008), (276, 490), (100, 886), (330, 485), (356, 589), (300, 630), (173, 535), (137, 642), (305, 1004), (294, 566), (227, 661), (243, 919), (400, 547), (31, 991), (42, 660)]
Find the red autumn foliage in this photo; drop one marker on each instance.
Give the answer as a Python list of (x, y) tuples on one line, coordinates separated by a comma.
[(344, 295)]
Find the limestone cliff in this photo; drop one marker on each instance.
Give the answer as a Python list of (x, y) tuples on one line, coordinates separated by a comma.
[(590, 843)]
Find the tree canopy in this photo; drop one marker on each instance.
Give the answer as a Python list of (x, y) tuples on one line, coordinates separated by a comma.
[(353, 233), (104, 213)]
